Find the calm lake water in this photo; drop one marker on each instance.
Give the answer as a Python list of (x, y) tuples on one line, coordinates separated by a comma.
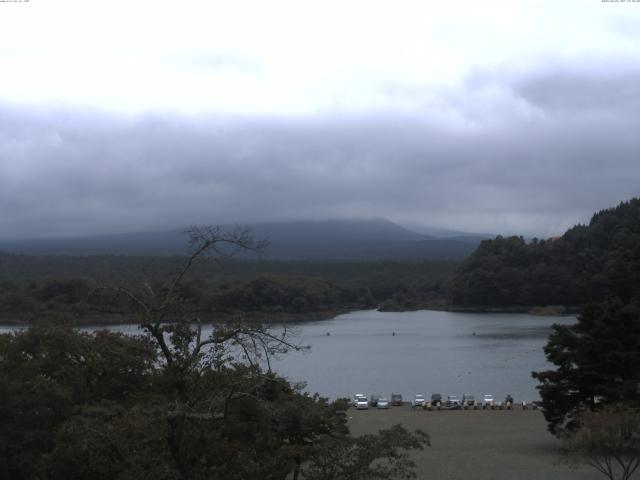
[(443, 352)]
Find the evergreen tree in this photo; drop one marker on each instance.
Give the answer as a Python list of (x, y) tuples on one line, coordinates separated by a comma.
[(597, 360)]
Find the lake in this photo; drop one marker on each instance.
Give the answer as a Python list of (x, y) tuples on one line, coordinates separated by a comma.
[(418, 352), (443, 352)]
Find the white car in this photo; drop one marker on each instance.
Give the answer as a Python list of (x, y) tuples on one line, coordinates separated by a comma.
[(419, 401), (488, 401), (360, 401)]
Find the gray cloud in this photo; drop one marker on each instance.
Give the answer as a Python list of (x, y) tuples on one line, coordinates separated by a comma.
[(531, 154), (609, 89)]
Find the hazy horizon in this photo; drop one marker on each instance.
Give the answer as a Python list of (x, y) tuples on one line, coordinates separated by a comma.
[(419, 230)]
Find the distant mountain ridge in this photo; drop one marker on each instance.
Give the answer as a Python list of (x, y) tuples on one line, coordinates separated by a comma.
[(363, 239)]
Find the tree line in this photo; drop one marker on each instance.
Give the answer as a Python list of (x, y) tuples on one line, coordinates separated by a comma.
[(583, 265), (35, 286)]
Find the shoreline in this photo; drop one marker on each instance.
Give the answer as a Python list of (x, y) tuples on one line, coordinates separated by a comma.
[(537, 310), (112, 319), (129, 319)]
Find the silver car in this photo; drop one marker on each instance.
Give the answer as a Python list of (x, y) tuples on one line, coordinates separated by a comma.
[(383, 403), (453, 402)]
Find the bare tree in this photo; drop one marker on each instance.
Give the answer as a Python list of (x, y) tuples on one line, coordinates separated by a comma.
[(178, 331), (607, 440)]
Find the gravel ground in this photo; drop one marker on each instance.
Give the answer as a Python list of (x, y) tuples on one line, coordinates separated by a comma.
[(477, 444)]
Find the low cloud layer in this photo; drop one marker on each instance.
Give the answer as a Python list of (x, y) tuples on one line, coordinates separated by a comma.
[(507, 152)]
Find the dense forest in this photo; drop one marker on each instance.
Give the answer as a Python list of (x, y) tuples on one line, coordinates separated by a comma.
[(584, 265), (80, 286)]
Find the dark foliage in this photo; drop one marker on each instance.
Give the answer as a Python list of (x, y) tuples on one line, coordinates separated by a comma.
[(597, 360), (31, 286), (582, 266), (105, 406), (48, 372)]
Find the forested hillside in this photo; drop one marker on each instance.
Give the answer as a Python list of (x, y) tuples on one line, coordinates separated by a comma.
[(32, 285), (582, 266)]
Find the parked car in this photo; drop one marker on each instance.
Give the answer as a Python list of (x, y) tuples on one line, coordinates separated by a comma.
[(468, 401), (396, 399), (359, 399), (373, 400), (453, 402), (419, 400), (361, 402), (436, 400), (488, 401), (383, 403)]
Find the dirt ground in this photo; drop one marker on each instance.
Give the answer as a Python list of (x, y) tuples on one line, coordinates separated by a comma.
[(477, 444)]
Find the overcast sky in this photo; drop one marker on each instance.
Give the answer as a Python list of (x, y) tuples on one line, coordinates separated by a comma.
[(493, 116)]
